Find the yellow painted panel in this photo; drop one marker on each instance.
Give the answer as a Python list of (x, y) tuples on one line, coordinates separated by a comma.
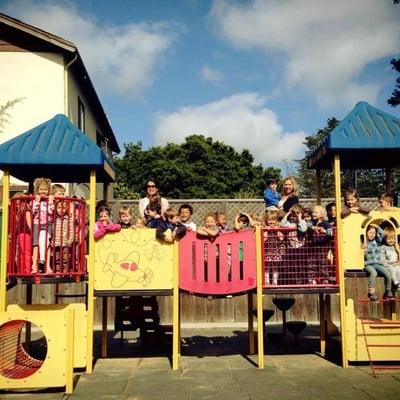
[(52, 373), (356, 341), (354, 226), (80, 321), (133, 259)]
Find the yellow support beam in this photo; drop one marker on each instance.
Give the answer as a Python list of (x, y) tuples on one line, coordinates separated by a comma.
[(69, 356), (175, 312), (90, 270), (342, 294), (4, 240), (260, 314)]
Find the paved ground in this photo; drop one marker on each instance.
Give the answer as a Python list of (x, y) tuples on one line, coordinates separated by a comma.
[(215, 366)]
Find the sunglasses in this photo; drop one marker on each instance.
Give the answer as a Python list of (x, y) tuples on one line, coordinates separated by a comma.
[(150, 186)]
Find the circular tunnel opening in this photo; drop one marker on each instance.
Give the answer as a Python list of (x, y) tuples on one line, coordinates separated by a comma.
[(23, 349)]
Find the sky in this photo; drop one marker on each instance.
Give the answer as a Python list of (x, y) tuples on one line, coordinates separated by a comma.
[(260, 75)]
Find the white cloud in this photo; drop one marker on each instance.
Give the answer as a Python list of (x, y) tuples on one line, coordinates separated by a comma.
[(121, 59), (326, 44), (242, 121), (212, 75)]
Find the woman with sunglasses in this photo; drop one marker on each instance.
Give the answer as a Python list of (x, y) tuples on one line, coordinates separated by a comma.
[(152, 194)]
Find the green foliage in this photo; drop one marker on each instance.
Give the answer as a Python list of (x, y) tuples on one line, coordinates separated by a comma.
[(197, 168), (395, 99)]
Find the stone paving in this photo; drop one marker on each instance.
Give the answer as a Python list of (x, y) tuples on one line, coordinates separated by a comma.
[(215, 365)]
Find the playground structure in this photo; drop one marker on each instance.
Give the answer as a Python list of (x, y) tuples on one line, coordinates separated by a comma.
[(133, 263)]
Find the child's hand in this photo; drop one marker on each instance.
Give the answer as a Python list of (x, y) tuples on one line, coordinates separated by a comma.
[(364, 246), (168, 239), (354, 209)]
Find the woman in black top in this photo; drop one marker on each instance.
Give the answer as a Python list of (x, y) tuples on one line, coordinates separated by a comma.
[(289, 194)]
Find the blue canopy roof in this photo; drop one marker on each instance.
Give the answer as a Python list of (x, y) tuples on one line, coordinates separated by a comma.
[(56, 149), (366, 138)]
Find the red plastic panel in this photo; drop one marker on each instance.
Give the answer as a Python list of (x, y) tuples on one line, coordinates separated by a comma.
[(225, 265)]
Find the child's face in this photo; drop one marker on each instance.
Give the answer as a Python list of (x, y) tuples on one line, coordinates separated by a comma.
[(307, 217), (125, 217), (104, 217), (210, 222), (185, 215), (257, 222), (151, 213), (332, 212), (271, 222), (59, 192), (293, 217), (43, 190), (391, 240), (273, 186), (384, 204), (222, 219), (174, 219), (371, 233), (317, 214), (61, 208), (351, 201)]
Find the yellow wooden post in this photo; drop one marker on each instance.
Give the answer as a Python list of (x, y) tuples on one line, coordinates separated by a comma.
[(342, 294), (318, 186), (175, 311), (69, 357), (4, 240), (322, 324), (90, 270), (250, 321), (260, 319)]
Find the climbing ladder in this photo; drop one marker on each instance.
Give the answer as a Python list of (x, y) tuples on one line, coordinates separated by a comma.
[(381, 336)]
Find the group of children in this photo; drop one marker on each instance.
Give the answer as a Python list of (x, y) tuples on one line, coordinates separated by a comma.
[(47, 227)]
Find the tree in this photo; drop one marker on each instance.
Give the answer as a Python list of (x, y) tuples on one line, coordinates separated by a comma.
[(395, 99), (197, 168)]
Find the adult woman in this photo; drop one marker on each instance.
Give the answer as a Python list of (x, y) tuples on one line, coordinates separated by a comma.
[(289, 194), (151, 192)]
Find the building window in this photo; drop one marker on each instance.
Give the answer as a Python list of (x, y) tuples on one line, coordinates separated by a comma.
[(102, 142), (81, 115)]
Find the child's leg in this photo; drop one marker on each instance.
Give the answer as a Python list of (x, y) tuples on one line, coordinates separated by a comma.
[(35, 259), (44, 249), (372, 274), (383, 271), (25, 252)]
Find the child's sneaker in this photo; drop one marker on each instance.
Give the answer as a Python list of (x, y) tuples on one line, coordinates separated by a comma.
[(388, 295), (372, 296)]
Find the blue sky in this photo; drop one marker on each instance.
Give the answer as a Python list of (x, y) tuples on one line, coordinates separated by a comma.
[(255, 74)]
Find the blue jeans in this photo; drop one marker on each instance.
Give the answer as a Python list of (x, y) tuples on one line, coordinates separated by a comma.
[(375, 270)]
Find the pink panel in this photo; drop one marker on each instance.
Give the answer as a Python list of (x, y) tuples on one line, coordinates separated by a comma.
[(226, 265)]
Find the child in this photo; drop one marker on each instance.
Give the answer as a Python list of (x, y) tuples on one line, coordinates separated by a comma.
[(386, 202), (171, 228), (104, 224), (153, 215), (390, 256), (271, 195), (210, 228), (63, 236), (320, 225), (257, 220), (295, 241), (58, 190), (317, 262), (23, 232), (125, 218), (352, 204), (274, 247), (372, 262), (307, 216), (185, 216), (331, 213), (42, 208), (221, 222), (242, 221)]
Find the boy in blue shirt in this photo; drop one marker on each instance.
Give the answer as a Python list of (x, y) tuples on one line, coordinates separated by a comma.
[(271, 195)]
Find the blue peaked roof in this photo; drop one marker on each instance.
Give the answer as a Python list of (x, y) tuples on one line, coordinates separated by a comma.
[(366, 138), (56, 149)]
